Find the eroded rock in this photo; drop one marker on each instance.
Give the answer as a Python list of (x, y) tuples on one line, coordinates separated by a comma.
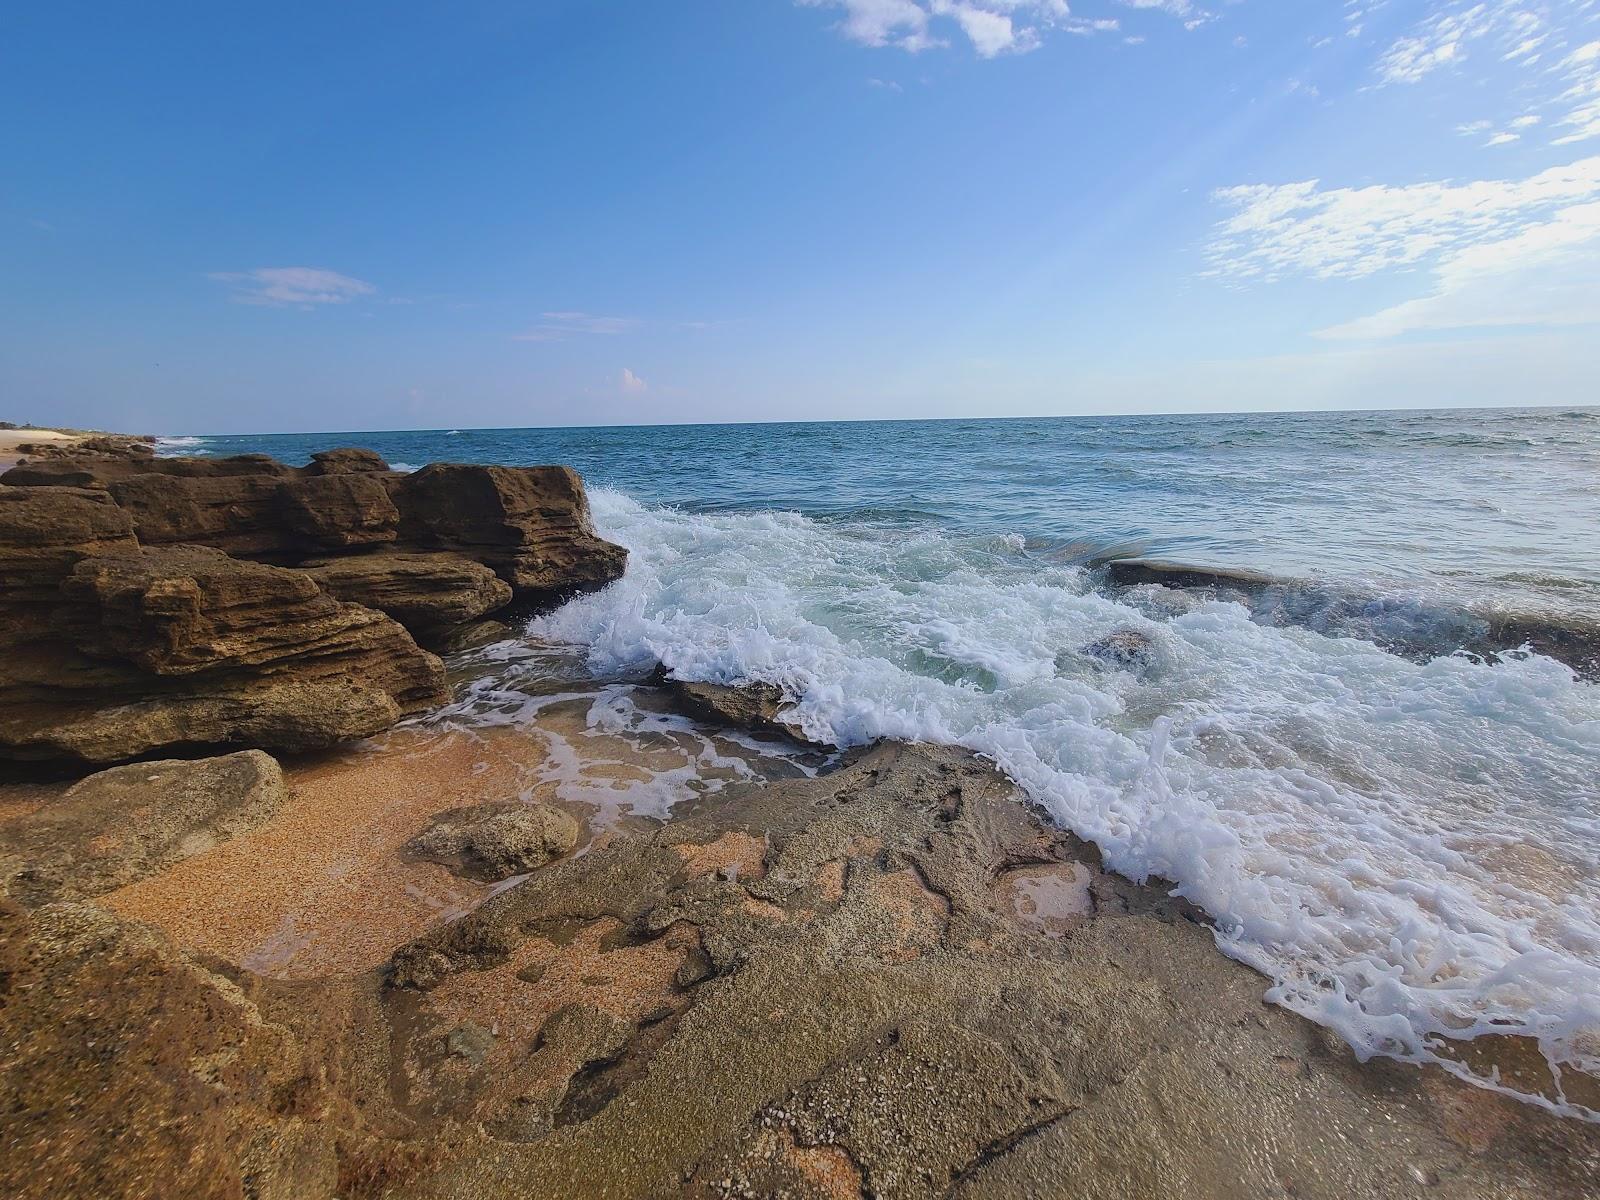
[(531, 524), (121, 825), (496, 841), (141, 598), (428, 593), (185, 646)]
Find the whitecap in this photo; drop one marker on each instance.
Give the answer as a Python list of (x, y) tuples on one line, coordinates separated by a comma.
[(1408, 850)]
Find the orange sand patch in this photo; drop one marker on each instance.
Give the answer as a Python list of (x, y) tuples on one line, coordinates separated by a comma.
[(830, 881), (827, 1168), (919, 913), (320, 890), (734, 852), (24, 799)]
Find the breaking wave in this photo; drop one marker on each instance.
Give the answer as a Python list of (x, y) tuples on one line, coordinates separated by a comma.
[(1407, 849)]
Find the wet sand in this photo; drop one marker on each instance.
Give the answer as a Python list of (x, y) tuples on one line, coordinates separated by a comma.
[(328, 889)]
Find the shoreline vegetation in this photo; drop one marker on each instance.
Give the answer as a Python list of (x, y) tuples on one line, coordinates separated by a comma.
[(267, 931)]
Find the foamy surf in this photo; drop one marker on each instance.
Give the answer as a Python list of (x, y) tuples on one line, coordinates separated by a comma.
[(1406, 849)]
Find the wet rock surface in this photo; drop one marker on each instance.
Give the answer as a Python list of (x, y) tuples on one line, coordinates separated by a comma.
[(754, 706), (891, 980), (1272, 599), (152, 604), (124, 824)]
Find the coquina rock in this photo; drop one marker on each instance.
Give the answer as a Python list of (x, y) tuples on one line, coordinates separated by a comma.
[(121, 825), (149, 604), (429, 592), (152, 650), (531, 524), (44, 533)]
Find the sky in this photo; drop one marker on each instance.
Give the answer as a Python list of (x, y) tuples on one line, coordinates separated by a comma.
[(332, 217)]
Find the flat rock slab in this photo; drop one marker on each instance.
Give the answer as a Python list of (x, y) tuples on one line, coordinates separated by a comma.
[(121, 825)]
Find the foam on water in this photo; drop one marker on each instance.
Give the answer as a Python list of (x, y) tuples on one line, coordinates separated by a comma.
[(169, 447), (1408, 850)]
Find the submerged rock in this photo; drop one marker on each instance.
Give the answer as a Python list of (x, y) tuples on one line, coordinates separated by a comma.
[(120, 825), (1126, 648), (1417, 631), (496, 841)]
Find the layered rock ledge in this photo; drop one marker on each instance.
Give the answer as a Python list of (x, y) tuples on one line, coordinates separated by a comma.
[(157, 604)]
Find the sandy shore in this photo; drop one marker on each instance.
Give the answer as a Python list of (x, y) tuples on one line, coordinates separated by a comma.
[(11, 439)]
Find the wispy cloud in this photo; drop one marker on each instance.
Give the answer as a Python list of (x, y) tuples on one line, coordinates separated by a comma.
[(305, 287), (991, 27), (1581, 99), (1507, 252), (561, 326), (1542, 276), (630, 384), (1278, 230)]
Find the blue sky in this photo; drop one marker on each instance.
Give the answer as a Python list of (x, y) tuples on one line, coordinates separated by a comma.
[(360, 216)]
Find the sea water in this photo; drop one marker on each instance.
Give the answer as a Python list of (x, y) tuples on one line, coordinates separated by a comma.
[(1407, 846)]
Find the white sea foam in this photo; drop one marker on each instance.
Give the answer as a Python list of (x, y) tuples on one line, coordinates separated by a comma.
[(1408, 850), (167, 447)]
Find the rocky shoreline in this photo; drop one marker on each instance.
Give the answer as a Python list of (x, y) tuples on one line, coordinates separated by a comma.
[(401, 968)]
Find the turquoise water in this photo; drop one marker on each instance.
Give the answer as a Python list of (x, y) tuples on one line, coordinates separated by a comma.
[(1407, 846)]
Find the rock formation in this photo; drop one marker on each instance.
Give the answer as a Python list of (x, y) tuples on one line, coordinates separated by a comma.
[(818, 988), (492, 842), (121, 825), (151, 604)]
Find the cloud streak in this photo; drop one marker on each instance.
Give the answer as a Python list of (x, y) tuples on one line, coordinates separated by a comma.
[(563, 326), (990, 27), (281, 287)]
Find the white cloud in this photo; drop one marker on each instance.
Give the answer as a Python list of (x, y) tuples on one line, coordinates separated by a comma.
[(1501, 253), (992, 27), (282, 286), (1278, 230), (559, 326), (630, 384), (1547, 275), (1582, 98)]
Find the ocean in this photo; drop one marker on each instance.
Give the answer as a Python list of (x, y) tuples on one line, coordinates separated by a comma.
[(1406, 844)]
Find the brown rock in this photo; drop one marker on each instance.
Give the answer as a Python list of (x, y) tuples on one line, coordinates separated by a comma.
[(121, 825), (44, 533), (496, 841), (346, 461), (184, 646), (754, 706), (239, 514), (131, 1069), (427, 592), (531, 524), (342, 511)]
